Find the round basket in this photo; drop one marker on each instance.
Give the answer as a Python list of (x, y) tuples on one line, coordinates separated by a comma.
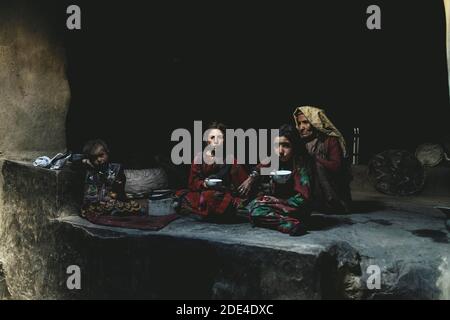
[(145, 180), (430, 155), (397, 172)]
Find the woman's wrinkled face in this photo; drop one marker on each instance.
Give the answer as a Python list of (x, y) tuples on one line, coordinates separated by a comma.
[(99, 157), (215, 137), (304, 127), (283, 148)]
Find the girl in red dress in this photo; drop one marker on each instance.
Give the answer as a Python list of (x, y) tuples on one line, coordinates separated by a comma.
[(211, 201)]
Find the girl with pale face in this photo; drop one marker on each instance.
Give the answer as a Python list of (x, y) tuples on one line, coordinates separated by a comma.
[(215, 138), (213, 181), (214, 141)]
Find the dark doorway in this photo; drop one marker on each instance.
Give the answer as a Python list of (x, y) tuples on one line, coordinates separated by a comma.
[(138, 70)]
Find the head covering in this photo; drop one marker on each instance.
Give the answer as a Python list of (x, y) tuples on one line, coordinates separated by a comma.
[(320, 121)]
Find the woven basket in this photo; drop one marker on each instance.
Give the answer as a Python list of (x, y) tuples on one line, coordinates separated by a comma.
[(145, 180)]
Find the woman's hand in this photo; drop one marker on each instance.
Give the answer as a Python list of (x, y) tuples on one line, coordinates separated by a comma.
[(246, 186)]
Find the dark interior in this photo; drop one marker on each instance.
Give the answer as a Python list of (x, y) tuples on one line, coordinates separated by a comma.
[(138, 70)]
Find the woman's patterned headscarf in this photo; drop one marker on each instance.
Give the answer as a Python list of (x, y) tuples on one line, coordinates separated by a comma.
[(320, 121)]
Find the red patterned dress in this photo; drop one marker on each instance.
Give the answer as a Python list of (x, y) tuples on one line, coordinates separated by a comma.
[(207, 202)]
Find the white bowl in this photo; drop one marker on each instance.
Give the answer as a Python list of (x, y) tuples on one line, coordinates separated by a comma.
[(281, 176), (213, 182)]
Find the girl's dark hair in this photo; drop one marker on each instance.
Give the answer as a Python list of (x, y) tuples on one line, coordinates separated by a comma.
[(300, 152), (218, 125), (288, 131), (91, 145)]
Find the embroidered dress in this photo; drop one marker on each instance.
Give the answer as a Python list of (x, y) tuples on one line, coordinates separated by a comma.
[(288, 205), (104, 192), (209, 202)]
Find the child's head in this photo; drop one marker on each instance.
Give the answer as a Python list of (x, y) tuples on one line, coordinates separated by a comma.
[(216, 134), (97, 151), (288, 144)]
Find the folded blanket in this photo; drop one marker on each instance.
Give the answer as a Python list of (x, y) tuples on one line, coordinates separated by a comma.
[(141, 222)]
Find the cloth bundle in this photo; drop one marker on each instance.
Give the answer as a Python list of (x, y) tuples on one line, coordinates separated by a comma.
[(56, 163)]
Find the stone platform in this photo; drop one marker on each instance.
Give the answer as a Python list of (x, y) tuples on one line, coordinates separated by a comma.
[(41, 236)]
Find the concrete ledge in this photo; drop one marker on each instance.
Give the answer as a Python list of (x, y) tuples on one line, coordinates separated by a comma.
[(190, 259), (45, 190)]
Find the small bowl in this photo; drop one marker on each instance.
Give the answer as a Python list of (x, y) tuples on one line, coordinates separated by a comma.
[(281, 176), (213, 182)]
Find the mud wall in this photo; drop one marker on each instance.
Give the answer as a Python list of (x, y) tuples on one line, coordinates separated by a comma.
[(34, 91)]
